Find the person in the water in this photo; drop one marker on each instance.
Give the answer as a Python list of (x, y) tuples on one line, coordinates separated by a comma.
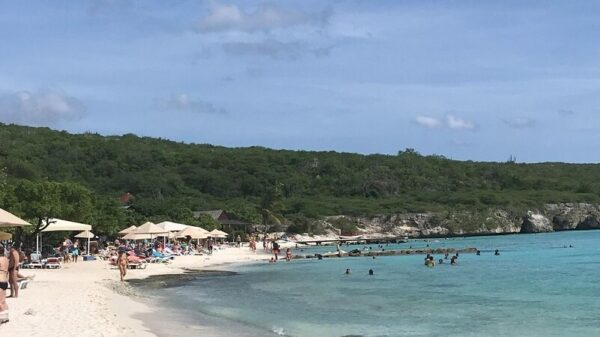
[(497, 252), (453, 260), (371, 272), (348, 271), (478, 252)]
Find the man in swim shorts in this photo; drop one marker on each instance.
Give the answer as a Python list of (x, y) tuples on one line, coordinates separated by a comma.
[(3, 286), (13, 270)]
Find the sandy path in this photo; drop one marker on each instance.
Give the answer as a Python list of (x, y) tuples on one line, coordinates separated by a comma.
[(78, 300)]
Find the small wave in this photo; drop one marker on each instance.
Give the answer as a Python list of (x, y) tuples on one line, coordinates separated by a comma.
[(279, 331)]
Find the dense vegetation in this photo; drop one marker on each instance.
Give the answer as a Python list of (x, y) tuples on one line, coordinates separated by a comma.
[(80, 177)]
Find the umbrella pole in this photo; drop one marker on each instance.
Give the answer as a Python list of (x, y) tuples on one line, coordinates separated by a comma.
[(88, 249), (37, 243)]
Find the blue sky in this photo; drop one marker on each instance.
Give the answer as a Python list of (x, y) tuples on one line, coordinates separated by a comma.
[(477, 80)]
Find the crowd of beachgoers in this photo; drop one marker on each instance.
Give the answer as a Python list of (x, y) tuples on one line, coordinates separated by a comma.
[(120, 254), (82, 294)]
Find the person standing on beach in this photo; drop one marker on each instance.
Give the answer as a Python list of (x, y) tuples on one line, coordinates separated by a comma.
[(122, 263), (210, 246), (75, 251), (238, 241), (3, 286), (276, 250), (13, 270)]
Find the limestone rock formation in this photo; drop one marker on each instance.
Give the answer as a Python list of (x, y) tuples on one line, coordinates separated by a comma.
[(536, 223)]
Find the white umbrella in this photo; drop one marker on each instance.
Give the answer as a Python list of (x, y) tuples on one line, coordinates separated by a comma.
[(145, 231), (149, 228), (128, 230), (8, 219), (59, 225), (134, 236), (193, 232), (172, 226), (86, 235), (215, 233)]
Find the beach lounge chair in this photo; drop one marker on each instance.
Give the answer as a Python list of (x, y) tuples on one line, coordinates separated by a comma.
[(52, 263), (158, 257), (36, 261), (22, 284), (137, 265)]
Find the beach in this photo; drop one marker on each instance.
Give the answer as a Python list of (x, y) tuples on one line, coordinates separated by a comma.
[(87, 299)]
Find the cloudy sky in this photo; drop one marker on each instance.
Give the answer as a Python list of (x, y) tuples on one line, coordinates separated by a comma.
[(476, 80)]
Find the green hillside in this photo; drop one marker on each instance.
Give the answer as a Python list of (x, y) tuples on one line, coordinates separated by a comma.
[(170, 180)]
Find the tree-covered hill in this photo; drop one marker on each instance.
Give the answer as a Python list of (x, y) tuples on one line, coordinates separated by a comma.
[(170, 179)]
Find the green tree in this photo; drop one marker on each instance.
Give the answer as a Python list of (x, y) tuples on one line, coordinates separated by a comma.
[(271, 206), (207, 222), (42, 200)]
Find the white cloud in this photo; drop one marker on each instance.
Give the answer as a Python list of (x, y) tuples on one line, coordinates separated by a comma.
[(520, 123), (44, 107), (428, 122), (230, 17), (184, 102), (450, 122), (457, 123)]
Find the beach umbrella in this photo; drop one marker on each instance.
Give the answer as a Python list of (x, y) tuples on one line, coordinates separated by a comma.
[(134, 236), (127, 230), (148, 229), (193, 232), (215, 233), (60, 225), (86, 235), (8, 219), (5, 236), (172, 226)]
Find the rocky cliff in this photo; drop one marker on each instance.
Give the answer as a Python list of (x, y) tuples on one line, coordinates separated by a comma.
[(550, 217)]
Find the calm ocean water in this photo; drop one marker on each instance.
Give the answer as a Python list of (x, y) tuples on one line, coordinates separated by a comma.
[(534, 288)]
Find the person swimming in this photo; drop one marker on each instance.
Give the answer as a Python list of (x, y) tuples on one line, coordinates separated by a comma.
[(348, 271), (371, 272), (440, 261), (497, 252), (427, 259), (478, 252)]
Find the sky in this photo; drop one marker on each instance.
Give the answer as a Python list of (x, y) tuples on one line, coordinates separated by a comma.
[(468, 80)]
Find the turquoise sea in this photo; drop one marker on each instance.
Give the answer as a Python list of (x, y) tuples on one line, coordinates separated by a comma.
[(535, 287)]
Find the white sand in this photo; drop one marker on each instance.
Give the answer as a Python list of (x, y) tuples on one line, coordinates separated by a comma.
[(78, 300)]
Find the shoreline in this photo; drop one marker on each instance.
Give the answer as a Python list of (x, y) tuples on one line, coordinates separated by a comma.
[(87, 298)]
